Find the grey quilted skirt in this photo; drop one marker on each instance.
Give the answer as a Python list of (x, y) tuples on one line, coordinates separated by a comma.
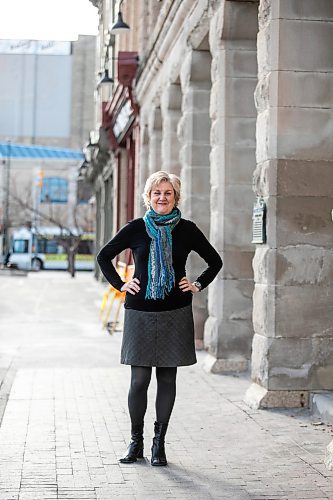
[(164, 338)]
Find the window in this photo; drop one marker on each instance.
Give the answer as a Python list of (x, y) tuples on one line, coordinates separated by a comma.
[(54, 190), (85, 247), (20, 246), (84, 191), (49, 246)]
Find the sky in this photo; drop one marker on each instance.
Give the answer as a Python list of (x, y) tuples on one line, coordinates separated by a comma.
[(47, 19)]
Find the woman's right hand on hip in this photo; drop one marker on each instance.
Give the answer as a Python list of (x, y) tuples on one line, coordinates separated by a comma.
[(131, 286)]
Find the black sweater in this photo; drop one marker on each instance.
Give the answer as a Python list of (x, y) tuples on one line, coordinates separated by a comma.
[(186, 236)]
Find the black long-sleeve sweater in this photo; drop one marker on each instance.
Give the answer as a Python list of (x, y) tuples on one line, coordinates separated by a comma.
[(186, 236)]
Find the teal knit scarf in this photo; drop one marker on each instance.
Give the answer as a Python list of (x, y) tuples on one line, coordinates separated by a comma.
[(161, 275)]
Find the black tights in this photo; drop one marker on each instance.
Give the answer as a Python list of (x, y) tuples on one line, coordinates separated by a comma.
[(165, 397)]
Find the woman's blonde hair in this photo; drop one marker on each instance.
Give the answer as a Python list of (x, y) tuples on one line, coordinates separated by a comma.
[(155, 179)]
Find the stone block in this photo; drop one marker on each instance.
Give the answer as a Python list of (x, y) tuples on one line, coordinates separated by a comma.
[(239, 99), (293, 266), (297, 34), (240, 63), (240, 21), (291, 312), (231, 299), (278, 36), (293, 178), (200, 67), (237, 264), (199, 313), (267, 48), (266, 135), (292, 363), (258, 397), (233, 97), (217, 99), (195, 127), (322, 406), (196, 181), (238, 198), (218, 132), (300, 220), (211, 364), (234, 340), (302, 89), (304, 133), (171, 97), (223, 160), (300, 9), (211, 332), (237, 229), (195, 100), (241, 131), (329, 456), (240, 164), (195, 155), (196, 208), (236, 132)]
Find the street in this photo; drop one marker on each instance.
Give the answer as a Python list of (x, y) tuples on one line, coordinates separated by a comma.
[(65, 424)]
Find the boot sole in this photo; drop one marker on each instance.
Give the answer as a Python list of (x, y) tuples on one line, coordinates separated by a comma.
[(122, 461)]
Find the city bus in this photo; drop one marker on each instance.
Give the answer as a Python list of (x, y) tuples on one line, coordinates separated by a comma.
[(34, 250)]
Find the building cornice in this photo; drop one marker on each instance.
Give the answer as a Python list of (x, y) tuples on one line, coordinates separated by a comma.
[(188, 20)]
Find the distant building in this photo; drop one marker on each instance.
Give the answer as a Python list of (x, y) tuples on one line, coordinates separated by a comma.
[(47, 100), (47, 90)]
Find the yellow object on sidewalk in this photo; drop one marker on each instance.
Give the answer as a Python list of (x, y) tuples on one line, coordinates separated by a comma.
[(113, 296)]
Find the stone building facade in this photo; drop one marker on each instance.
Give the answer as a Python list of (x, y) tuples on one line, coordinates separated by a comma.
[(230, 101)]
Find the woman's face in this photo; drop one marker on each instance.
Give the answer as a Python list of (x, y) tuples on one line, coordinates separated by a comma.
[(162, 198)]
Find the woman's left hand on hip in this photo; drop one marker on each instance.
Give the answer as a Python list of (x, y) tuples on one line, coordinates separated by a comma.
[(186, 286)]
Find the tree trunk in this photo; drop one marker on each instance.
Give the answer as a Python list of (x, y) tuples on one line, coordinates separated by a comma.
[(71, 263)]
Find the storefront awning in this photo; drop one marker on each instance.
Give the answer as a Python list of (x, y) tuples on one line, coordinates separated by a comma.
[(13, 150)]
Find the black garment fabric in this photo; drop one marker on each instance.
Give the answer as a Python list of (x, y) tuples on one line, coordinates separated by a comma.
[(165, 396), (186, 237), (158, 338)]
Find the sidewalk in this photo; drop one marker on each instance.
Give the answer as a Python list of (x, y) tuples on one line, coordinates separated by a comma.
[(66, 422)]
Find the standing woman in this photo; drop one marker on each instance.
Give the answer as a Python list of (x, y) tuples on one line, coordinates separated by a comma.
[(158, 324)]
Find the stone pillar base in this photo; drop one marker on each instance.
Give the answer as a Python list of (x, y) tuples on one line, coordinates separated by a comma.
[(216, 365), (259, 397), (329, 456)]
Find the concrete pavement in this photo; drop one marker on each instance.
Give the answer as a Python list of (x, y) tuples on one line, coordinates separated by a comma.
[(65, 423)]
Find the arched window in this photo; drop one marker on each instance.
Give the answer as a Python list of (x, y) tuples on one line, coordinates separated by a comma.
[(54, 190)]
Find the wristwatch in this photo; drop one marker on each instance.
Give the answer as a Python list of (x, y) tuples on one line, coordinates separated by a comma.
[(198, 285)]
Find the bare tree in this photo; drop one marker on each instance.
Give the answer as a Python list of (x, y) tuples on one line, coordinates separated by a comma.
[(69, 237)]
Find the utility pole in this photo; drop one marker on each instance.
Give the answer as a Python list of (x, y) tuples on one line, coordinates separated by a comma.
[(7, 194)]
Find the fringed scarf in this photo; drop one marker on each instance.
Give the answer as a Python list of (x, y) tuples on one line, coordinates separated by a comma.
[(161, 275)]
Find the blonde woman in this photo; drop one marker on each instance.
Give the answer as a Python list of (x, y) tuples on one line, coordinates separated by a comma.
[(158, 324)]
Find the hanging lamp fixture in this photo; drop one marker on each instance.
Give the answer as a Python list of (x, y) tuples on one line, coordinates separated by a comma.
[(105, 78), (119, 26)]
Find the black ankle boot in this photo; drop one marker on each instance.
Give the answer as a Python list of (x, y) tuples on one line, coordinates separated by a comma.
[(158, 451), (135, 448)]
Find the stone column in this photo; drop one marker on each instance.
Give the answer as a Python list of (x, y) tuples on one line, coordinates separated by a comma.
[(293, 297), (108, 209), (171, 102), (228, 330), (155, 138), (142, 171), (193, 133)]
